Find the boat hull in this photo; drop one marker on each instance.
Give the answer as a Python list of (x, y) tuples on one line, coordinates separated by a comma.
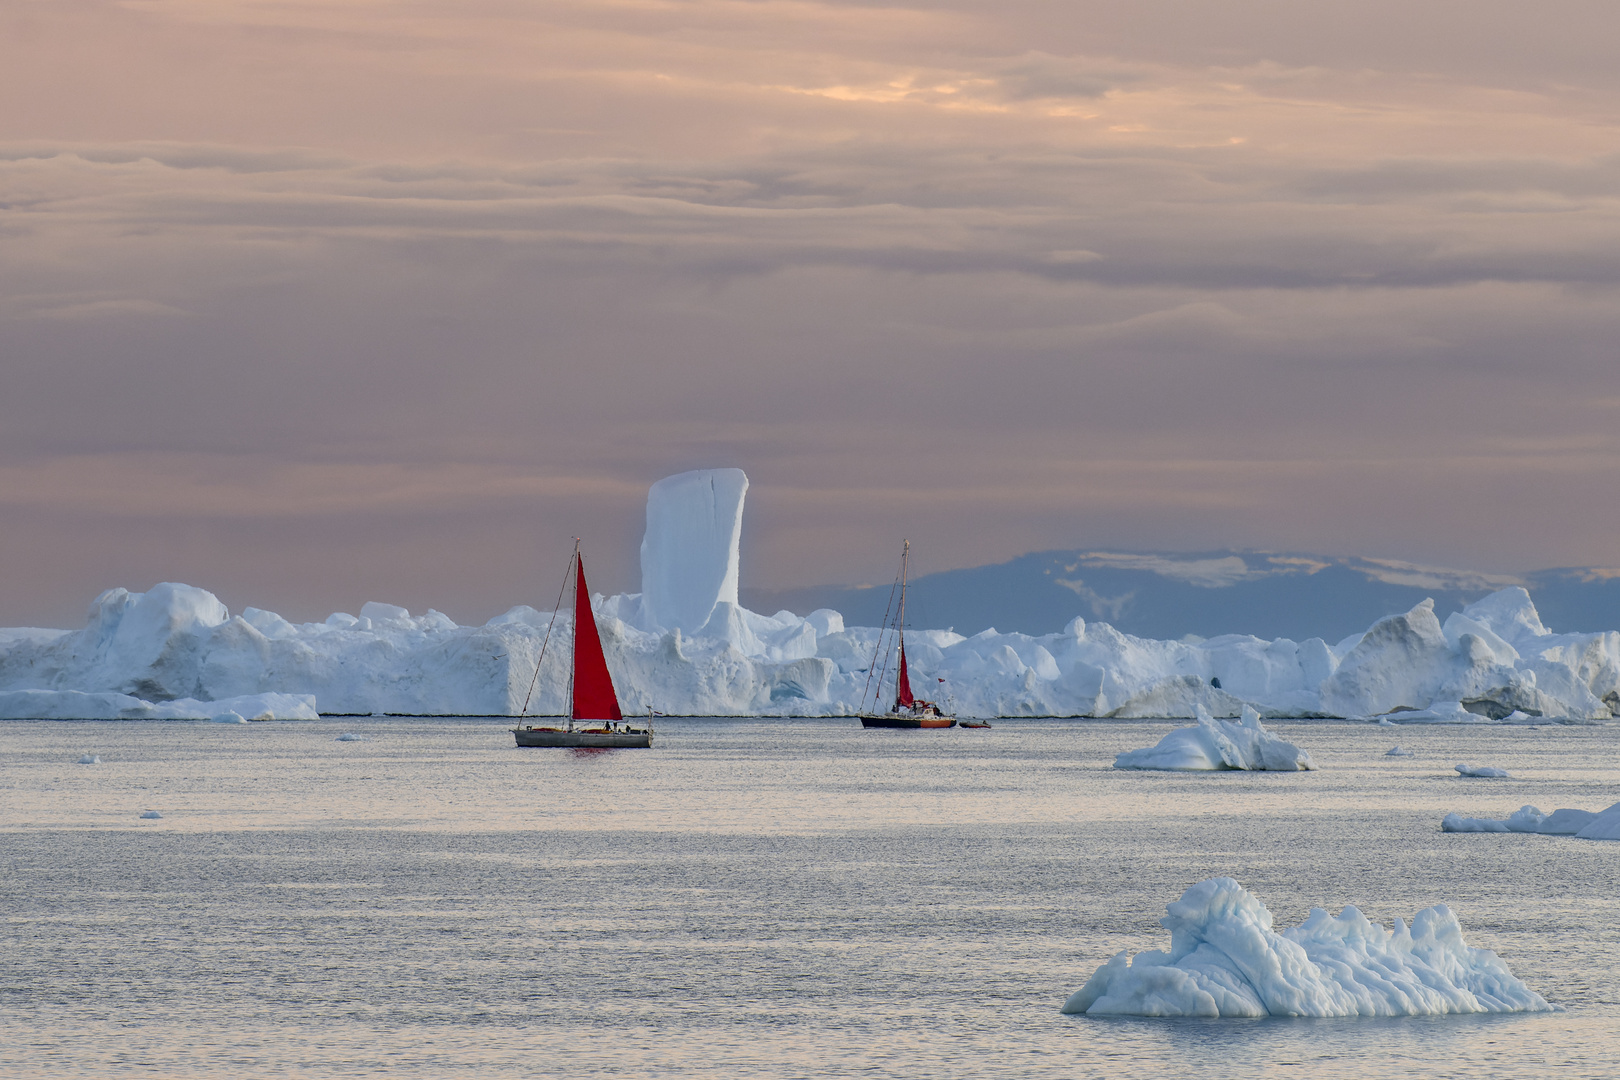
[(908, 721), (600, 740)]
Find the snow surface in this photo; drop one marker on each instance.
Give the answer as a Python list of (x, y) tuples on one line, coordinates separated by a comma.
[(1219, 744), (1226, 960), (1489, 772), (685, 646), (1585, 824)]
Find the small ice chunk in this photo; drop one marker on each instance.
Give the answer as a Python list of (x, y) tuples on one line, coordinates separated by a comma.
[(1396, 751), (90, 759), (230, 718), (151, 815), (1527, 819), (1219, 744), (1226, 960), (1488, 771), (349, 736)]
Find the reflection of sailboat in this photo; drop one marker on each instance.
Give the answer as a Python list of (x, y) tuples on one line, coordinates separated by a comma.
[(909, 710), (592, 701)]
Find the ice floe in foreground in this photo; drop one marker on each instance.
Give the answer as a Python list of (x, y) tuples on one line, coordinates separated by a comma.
[(1226, 960), (1487, 772), (1219, 744), (1585, 824), (685, 646)]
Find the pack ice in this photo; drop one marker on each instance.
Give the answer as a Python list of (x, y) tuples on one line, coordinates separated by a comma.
[(684, 645), (1226, 960), (1219, 744)]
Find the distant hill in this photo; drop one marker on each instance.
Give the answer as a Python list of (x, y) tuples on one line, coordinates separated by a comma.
[(1173, 594)]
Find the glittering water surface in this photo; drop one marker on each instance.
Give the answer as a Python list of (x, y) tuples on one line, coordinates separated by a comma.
[(750, 898)]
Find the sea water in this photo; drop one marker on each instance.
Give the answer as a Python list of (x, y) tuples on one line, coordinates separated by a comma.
[(772, 898)]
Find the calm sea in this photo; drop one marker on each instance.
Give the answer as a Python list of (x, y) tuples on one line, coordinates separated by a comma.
[(795, 898)]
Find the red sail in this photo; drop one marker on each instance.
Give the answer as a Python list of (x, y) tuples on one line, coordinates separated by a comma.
[(902, 695), (594, 698)]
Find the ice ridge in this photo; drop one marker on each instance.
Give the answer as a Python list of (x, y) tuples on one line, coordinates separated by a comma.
[(685, 646)]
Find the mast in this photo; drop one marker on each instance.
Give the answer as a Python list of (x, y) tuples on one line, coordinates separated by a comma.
[(903, 698)]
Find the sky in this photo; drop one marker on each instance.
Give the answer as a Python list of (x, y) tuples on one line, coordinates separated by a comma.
[(314, 303)]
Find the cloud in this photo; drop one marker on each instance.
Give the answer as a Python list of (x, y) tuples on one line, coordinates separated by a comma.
[(1028, 278)]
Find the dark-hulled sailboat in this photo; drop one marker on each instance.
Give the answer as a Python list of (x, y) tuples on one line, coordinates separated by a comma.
[(909, 710), (594, 719)]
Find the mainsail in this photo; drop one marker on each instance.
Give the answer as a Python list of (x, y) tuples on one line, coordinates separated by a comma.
[(902, 688), (594, 698)]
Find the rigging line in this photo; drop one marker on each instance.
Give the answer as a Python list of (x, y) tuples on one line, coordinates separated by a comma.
[(573, 668), (877, 694), (547, 640), (877, 649)]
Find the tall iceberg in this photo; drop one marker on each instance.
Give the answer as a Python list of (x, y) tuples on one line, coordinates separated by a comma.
[(690, 551)]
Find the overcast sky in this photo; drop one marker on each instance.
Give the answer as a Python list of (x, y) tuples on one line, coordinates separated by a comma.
[(311, 303)]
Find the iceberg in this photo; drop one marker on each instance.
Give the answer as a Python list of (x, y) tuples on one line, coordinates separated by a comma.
[(1226, 960), (683, 645), (1488, 772), (1218, 744), (1396, 751), (1585, 824), (691, 549)]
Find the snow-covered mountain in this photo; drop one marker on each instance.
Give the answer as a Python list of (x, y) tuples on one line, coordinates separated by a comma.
[(1172, 594)]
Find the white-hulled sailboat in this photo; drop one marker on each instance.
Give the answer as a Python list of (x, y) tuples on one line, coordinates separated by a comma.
[(909, 710), (594, 719)]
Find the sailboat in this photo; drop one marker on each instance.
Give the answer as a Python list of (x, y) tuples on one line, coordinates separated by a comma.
[(594, 718), (909, 710)]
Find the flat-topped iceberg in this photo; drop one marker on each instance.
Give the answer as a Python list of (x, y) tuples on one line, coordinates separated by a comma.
[(1226, 960), (1219, 744), (684, 645), (1585, 824)]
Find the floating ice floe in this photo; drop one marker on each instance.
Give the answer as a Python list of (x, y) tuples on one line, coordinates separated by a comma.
[(684, 645), (151, 815), (1219, 744), (1440, 712), (1226, 960), (1396, 751), (90, 759), (229, 717), (349, 736), (1488, 772), (1585, 824)]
